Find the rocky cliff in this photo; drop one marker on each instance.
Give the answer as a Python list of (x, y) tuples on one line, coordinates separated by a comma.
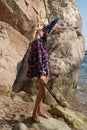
[(19, 20), (65, 44)]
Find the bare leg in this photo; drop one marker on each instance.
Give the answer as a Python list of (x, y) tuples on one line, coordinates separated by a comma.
[(40, 96), (38, 100), (39, 111)]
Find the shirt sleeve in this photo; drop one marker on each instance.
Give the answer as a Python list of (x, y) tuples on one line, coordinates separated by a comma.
[(40, 55)]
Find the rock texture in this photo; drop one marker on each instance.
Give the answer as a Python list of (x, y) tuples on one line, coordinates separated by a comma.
[(22, 15), (65, 56), (20, 126), (66, 10), (48, 124), (18, 18), (16, 113), (65, 47), (18, 21), (75, 119), (12, 49)]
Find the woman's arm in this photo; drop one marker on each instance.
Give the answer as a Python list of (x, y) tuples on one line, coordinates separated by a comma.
[(40, 55)]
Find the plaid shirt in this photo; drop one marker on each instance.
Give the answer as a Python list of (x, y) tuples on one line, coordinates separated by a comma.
[(38, 59)]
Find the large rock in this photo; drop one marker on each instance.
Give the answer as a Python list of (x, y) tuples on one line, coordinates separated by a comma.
[(20, 126), (65, 46), (66, 10), (48, 124), (75, 119), (12, 49), (66, 51), (23, 16)]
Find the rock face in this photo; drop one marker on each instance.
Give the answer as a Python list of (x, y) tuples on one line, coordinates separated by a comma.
[(22, 15), (66, 10), (19, 18), (12, 49), (65, 44), (65, 56)]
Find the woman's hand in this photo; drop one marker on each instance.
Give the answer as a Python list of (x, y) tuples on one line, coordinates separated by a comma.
[(43, 78)]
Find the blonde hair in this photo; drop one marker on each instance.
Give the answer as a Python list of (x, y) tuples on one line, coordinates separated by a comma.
[(36, 30)]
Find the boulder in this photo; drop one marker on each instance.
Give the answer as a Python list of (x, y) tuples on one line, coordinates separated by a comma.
[(20, 126), (48, 124), (66, 53), (65, 47), (75, 119), (24, 15), (11, 54), (67, 11), (16, 32)]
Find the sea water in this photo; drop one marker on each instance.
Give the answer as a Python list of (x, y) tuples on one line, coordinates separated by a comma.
[(82, 78), (82, 83)]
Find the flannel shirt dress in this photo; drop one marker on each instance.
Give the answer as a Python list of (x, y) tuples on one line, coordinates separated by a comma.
[(38, 59)]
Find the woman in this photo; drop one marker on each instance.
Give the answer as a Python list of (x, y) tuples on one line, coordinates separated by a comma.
[(38, 66)]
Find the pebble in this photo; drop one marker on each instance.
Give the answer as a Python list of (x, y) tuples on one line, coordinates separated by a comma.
[(20, 126)]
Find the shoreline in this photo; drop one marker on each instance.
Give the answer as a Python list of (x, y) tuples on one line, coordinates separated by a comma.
[(78, 100)]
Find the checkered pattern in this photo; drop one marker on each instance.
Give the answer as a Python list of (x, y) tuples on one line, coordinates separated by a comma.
[(38, 59)]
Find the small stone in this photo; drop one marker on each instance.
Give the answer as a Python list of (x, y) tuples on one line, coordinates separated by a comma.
[(20, 126)]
